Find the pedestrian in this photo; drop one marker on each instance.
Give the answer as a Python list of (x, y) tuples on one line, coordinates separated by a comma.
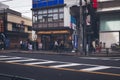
[(40, 46), (93, 46), (21, 44), (56, 45), (30, 46), (61, 45)]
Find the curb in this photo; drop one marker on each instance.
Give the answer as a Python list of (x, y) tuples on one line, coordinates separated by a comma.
[(113, 54)]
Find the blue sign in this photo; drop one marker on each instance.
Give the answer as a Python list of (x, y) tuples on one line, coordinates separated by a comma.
[(73, 23), (46, 3), (75, 41)]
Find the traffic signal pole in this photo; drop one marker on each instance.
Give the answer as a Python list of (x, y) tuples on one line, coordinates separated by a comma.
[(82, 39), (80, 30)]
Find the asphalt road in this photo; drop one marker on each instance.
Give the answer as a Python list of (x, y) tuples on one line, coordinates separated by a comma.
[(59, 67)]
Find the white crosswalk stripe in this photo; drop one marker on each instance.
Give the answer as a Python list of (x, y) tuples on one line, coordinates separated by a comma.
[(55, 64), (9, 58), (3, 56), (45, 62), (95, 68), (102, 58), (65, 65), (22, 60)]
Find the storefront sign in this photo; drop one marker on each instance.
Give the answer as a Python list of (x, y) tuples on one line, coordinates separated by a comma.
[(46, 3)]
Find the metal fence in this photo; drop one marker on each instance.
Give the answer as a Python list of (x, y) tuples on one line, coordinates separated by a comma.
[(12, 77)]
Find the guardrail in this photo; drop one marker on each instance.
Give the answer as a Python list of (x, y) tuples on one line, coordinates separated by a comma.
[(12, 77)]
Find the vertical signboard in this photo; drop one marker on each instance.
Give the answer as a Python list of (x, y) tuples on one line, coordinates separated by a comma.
[(46, 3), (1, 25)]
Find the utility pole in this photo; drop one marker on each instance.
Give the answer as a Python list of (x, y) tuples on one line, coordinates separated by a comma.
[(80, 30)]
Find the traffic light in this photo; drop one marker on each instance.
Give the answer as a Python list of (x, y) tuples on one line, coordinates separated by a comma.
[(94, 4), (74, 11)]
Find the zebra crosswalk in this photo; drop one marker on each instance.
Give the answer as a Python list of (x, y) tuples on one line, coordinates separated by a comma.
[(55, 64), (102, 58)]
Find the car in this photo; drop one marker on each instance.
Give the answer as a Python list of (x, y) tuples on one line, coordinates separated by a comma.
[(115, 46)]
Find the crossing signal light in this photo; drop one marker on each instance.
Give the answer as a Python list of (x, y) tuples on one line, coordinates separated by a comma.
[(94, 4)]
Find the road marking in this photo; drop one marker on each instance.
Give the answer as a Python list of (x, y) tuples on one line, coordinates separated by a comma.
[(101, 58), (10, 58), (21, 60), (3, 56), (66, 65), (95, 68), (67, 69), (46, 62)]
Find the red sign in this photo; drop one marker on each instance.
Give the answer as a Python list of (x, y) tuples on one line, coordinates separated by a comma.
[(94, 4)]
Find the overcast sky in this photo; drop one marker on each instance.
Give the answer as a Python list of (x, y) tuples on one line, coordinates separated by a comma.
[(23, 6)]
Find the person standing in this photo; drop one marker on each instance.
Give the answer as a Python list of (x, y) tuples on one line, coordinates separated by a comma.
[(56, 45), (94, 46), (30, 46), (21, 44)]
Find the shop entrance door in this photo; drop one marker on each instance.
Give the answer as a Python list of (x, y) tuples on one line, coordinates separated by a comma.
[(47, 41)]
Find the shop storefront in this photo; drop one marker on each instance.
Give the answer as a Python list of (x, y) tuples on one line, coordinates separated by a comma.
[(49, 36), (110, 27)]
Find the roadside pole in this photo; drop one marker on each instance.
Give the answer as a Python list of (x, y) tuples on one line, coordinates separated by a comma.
[(80, 31)]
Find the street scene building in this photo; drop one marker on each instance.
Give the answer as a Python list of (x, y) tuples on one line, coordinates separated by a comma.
[(51, 22), (13, 28), (109, 21)]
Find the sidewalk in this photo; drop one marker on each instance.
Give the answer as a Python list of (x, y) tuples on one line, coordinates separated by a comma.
[(68, 53)]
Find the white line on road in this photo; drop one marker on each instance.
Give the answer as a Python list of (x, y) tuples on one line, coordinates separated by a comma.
[(47, 62), (95, 68), (3, 56), (66, 65), (10, 58), (21, 60), (102, 58)]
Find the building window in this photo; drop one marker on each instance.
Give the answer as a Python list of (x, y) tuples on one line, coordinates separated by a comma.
[(40, 18), (40, 12), (61, 10), (44, 11), (52, 17), (35, 13), (61, 16), (35, 19), (29, 28), (55, 10), (17, 27), (55, 17), (50, 11), (45, 18)]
